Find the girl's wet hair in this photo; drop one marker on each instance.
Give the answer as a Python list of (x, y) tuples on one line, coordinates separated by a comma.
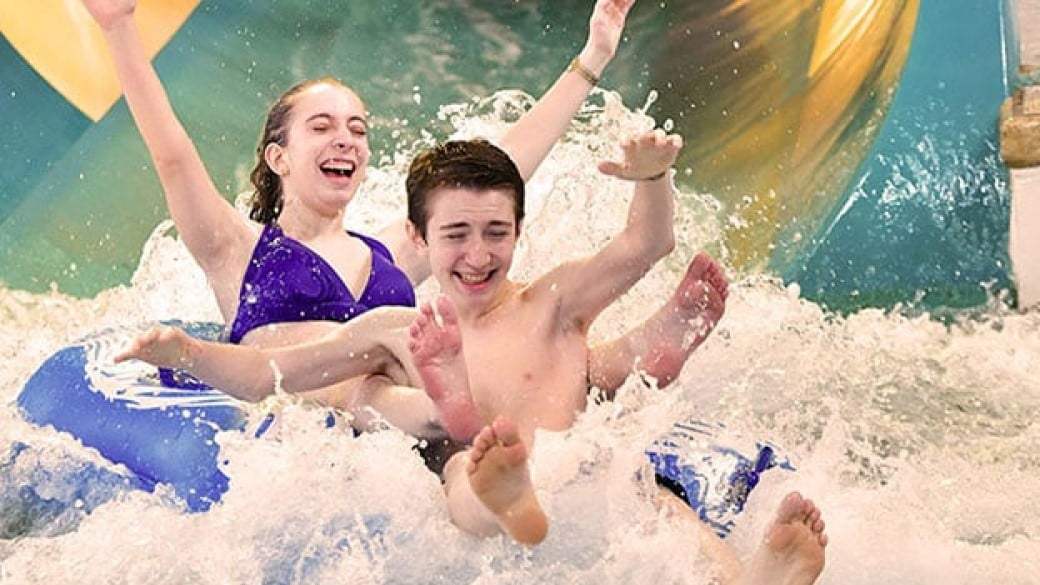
[(266, 203), (467, 164)]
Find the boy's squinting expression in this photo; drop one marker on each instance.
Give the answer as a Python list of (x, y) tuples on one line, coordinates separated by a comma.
[(471, 236)]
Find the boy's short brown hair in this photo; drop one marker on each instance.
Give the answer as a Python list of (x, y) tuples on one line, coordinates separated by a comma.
[(469, 164)]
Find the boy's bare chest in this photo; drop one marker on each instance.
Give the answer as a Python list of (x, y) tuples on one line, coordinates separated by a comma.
[(534, 375)]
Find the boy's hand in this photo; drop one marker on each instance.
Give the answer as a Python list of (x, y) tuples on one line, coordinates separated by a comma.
[(645, 158)]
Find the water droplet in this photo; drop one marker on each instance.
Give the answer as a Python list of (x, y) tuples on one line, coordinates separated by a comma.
[(651, 97)]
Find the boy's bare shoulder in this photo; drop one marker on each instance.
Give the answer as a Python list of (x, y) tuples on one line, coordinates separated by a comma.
[(537, 301)]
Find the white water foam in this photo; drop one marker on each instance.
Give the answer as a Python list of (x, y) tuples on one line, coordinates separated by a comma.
[(917, 439)]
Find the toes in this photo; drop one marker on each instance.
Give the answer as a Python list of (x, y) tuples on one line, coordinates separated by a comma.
[(808, 508), (700, 265), (505, 431), (446, 309), (484, 439)]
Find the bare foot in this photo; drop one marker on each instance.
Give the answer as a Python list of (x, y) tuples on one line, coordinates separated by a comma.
[(500, 479), (792, 552), (437, 352), (687, 319), (703, 290)]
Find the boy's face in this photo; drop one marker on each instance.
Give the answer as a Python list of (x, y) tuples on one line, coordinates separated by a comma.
[(471, 236)]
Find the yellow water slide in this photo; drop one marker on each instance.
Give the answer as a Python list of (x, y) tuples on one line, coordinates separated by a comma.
[(783, 103), (62, 43)]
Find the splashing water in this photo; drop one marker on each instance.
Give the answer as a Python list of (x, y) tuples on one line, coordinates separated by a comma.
[(917, 438)]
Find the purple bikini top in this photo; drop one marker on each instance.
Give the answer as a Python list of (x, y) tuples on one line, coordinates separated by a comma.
[(287, 282)]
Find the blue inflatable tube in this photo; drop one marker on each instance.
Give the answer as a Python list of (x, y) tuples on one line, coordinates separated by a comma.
[(159, 423)]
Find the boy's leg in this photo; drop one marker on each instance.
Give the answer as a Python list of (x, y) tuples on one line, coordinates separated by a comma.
[(727, 565), (489, 487), (436, 349), (792, 551), (662, 344)]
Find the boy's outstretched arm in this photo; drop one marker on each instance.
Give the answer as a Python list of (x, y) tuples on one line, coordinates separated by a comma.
[(585, 287)]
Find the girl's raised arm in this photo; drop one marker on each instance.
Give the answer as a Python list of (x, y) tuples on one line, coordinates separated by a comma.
[(529, 141), (208, 224)]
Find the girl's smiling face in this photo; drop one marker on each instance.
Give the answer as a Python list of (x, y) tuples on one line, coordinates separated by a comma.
[(326, 150)]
